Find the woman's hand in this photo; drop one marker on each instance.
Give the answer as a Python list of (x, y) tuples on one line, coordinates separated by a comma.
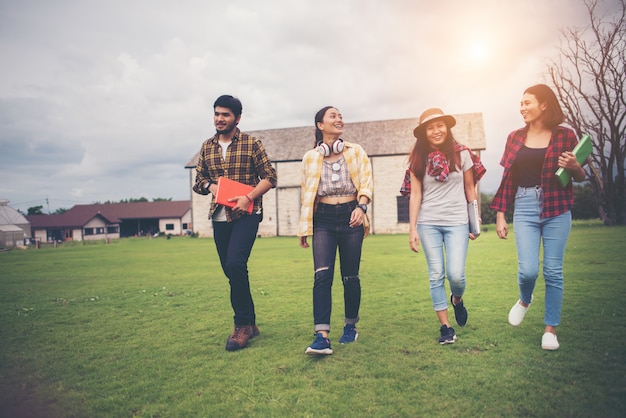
[(472, 236), (357, 217), (502, 228), (568, 161), (414, 241), (303, 242)]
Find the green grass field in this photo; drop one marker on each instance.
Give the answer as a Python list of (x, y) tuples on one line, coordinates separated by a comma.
[(136, 328)]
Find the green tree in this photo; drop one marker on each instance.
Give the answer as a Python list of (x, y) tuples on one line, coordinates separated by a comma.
[(487, 214), (134, 200), (35, 210), (585, 206)]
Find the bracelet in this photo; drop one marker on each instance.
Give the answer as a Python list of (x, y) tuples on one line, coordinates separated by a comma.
[(249, 200)]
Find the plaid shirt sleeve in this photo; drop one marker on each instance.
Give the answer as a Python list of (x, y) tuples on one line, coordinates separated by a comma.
[(311, 173), (556, 199), (506, 192), (360, 169), (205, 168), (478, 169)]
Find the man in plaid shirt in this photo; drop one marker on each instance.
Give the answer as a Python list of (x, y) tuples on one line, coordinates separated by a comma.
[(237, 156)]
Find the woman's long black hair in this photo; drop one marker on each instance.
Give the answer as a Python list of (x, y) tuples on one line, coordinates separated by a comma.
[(319, 117)]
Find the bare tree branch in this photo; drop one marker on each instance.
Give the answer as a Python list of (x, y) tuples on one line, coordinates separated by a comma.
[(589, 77)]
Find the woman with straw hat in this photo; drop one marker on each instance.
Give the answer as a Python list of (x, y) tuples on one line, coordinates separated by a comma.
[(443, 177)]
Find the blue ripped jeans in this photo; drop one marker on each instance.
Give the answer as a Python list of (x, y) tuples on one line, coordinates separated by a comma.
[(331, 231), (530, 231)]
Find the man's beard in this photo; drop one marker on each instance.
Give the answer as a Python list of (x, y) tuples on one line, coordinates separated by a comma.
[(229, 128)]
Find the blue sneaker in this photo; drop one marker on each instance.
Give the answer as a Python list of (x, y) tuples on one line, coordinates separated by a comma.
[(321, 345), (349, 334), (448, 335)]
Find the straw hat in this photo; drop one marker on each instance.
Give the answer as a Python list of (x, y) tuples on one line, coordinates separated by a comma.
[(430, 115)]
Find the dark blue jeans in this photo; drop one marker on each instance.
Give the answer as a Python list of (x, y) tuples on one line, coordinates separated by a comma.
[(331, 231), (234, 241)]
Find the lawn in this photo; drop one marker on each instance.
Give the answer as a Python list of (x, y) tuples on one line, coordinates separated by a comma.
[(136, 328)]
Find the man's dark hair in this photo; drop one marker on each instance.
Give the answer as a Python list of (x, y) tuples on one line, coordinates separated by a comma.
[(229, 102)]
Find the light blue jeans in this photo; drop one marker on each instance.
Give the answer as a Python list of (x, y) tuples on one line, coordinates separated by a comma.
[(530, 231), (453, 240)]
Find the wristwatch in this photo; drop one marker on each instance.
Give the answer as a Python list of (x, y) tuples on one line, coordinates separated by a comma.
[(363, 207)]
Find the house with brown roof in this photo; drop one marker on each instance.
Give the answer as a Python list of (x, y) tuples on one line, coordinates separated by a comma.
[(386, 142), (113, 220)]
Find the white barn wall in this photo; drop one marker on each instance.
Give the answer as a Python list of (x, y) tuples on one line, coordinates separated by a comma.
[(388, 173), (288, 192), (200, 205), (267, 228)]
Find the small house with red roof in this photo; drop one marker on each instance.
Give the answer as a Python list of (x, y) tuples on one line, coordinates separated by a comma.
[(113, 220)]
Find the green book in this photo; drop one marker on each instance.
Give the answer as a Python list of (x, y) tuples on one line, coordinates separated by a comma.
[(582, 151)]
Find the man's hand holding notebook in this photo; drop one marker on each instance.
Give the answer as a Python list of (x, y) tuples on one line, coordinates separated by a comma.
[(228, 189)]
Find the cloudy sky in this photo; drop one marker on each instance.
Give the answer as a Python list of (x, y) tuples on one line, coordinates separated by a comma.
[(107, 100)]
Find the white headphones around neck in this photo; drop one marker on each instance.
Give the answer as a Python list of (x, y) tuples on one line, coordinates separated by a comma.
[(335, 148)]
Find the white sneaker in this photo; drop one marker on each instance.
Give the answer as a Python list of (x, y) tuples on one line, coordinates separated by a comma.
[(517, 313), (549, 341)]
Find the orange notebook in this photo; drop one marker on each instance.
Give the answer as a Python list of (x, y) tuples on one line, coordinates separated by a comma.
[(227, 189)]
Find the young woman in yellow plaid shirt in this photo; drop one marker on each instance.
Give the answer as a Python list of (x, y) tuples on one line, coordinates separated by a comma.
[(336, 189)]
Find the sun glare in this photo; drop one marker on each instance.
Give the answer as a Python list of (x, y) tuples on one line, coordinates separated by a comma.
[(478, 52)]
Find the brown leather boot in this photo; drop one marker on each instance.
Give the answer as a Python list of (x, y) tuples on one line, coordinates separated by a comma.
[(240, 336)]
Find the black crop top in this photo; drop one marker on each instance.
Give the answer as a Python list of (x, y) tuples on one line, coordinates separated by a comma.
[(528, 165)]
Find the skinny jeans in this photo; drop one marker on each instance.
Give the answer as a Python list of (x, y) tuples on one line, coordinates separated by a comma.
[(530, 231), (234, 241), (332, 232), (445, 249)]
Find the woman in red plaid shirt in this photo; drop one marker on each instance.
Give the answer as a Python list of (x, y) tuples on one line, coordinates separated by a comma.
[(542, 206)]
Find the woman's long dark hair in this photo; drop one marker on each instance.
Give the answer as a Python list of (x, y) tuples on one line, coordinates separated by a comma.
[(319, 117), (418, 158)]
